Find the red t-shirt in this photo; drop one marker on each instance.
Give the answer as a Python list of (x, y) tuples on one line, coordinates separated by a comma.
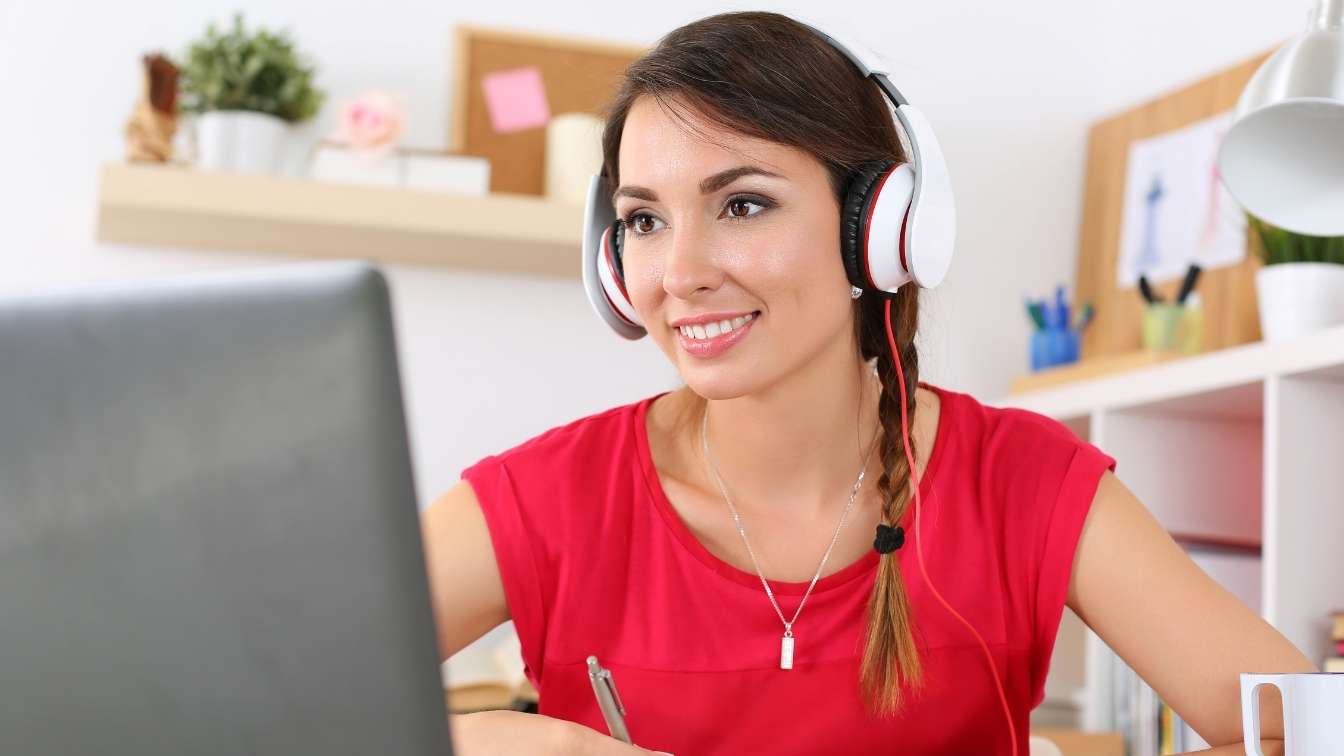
[(595, 560)]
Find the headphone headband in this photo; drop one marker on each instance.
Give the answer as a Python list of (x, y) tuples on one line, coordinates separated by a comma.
[(936, 221)]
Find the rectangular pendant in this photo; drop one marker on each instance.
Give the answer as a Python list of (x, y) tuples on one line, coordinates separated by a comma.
[(786, 653)]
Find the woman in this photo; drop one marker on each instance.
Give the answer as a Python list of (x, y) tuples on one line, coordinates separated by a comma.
[(713, 546)]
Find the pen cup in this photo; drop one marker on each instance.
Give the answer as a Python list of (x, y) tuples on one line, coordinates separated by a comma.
[(1169, 327), (1040, 349), (1053, 346), (1192, 341), (1069, 346)]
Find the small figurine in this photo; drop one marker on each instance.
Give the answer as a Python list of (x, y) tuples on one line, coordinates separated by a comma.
[(150, 129)]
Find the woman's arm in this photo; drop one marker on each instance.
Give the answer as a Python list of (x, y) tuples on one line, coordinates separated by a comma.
[(466, 590), (1184, 634)]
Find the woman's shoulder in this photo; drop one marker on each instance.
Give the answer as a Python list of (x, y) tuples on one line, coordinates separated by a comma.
[(995, 421), (1011, 443)]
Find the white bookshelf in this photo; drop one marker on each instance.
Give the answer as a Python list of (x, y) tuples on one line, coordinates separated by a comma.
[(1240, 455)]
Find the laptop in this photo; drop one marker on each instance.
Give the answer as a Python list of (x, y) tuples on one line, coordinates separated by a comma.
[(209, 534)]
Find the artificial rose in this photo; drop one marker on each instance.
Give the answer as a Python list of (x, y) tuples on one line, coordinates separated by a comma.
[(374, 122)]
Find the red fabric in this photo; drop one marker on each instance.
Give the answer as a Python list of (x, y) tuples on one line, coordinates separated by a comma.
[(595, 560)]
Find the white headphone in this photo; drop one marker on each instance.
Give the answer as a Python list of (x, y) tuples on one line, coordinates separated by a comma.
[(897, 223)]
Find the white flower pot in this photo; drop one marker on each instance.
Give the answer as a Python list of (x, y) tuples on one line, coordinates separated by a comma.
[(239, 141), (1300, 297)]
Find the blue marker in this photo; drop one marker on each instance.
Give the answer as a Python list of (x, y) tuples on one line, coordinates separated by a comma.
[(1061, 309)]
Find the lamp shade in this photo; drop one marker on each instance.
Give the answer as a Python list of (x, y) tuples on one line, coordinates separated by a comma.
[(1283, 158)]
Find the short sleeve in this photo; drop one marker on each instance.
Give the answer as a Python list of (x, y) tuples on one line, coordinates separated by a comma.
[(1059, 542), (515, 555)]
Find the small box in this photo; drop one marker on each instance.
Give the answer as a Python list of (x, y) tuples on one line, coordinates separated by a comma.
[(444, 172), (346, 166), (424, 170)]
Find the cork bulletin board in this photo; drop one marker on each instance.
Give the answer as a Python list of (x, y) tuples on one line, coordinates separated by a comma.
[(576, 75), (1227, 293)]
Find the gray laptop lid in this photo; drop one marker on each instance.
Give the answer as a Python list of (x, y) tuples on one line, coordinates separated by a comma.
[(209, 536)]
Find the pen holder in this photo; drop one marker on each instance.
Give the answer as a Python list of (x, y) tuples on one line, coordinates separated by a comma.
[(1169, 327), (1053, 346)]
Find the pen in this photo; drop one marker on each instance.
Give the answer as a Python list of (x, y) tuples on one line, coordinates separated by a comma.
[(1049, 314), (1191, 275), (1034, 310), (613, 711), (1084, 317), (1147, 291)]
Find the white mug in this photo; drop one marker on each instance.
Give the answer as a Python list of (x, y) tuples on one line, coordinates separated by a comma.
[(1312, 706)]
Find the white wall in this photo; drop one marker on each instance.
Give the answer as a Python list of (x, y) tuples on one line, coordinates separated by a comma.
[(1011, 89)]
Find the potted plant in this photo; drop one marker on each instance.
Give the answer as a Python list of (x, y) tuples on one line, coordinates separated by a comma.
[(1301, 286), (247, 88)]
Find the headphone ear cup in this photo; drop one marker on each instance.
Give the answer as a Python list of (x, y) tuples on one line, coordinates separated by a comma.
[(854, 214), (611, 273), (602, 267)]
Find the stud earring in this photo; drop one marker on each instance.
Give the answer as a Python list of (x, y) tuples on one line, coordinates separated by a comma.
[(855, 292)]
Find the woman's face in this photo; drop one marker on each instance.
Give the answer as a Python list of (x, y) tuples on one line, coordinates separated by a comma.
[(744, 243)]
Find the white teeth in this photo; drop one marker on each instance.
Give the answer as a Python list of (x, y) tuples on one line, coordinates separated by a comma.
[(710, 330)]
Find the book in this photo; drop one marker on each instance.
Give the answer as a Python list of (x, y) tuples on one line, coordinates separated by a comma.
[(1166, 742)]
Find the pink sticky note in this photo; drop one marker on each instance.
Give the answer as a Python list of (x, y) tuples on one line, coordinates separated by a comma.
[(516, 99)]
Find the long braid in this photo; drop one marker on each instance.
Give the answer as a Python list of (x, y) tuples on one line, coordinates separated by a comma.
[(891, 663)]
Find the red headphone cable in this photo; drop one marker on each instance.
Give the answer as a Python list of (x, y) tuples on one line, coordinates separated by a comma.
[(919, 542)]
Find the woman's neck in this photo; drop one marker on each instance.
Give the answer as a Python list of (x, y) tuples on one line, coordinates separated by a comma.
[(794, 448)]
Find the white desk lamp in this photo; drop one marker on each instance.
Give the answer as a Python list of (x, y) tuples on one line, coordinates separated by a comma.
[(1283, 159)]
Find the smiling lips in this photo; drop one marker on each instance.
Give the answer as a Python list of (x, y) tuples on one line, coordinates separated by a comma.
[(711, 340)]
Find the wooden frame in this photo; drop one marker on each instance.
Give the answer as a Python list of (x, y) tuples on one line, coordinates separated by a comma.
[(578, 75), (1227, 294)]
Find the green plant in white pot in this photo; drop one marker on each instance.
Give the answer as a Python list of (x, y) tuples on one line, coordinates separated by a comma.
[(246, 88), (1301, 286)]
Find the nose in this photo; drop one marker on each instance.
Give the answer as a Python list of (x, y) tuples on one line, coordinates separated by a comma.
[(690, 265)]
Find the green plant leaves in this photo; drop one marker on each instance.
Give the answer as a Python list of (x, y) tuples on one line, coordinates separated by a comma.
[(1277, 245), (236, 70)]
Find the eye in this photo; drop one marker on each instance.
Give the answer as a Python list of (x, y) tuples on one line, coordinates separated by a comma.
[(735, 202), (637, 223)]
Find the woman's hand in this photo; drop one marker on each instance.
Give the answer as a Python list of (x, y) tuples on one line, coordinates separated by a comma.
[(496, 733)]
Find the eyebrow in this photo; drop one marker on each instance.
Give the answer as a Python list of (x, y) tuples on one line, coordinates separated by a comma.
[(708, 186)]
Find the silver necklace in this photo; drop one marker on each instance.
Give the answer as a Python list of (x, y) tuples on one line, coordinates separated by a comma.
[(786, 643)]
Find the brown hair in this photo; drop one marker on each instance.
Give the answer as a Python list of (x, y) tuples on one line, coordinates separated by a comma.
[(767, 76)]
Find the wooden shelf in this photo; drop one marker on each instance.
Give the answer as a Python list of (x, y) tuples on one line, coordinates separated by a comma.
[(1094, 367), (181, 207), (1319, 354)]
